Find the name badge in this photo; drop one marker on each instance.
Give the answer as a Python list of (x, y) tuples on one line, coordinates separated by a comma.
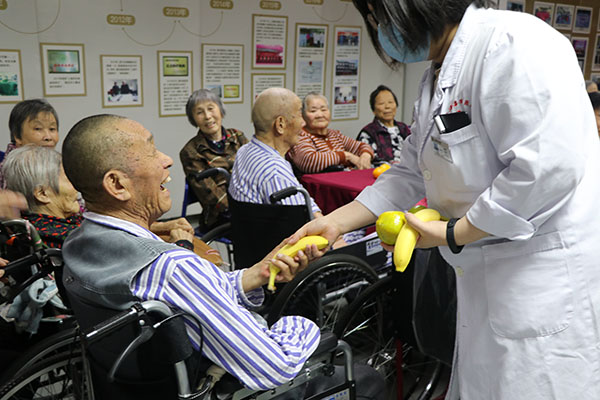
[(442, 149)]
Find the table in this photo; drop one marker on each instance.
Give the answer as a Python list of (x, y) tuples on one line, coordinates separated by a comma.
[(332, 190)]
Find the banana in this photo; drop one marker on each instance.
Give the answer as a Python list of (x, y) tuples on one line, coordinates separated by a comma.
[(292, 250), (407, 238)]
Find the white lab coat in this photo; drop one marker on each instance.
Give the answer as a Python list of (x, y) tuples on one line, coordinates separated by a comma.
[(527, 171)]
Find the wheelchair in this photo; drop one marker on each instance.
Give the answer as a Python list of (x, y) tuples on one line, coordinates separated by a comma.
[(374, 325), (34, 268), (326, 286), (75, 373)]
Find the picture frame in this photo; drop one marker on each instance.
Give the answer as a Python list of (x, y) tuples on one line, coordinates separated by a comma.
[(121, 82), (63, 69), (582, 21), (11, 76), (563, 16)]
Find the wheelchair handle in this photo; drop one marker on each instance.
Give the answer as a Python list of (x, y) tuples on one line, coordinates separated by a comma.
[(211, 173), (290, 191), (125, 317), (31, 259)]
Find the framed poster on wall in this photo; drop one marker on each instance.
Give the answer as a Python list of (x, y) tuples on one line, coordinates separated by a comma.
[(263, 81), (269, 41), (310, 58), (223, 70), (346, 72), (121, 83), (63, 69), (11, 76), (175, 82)]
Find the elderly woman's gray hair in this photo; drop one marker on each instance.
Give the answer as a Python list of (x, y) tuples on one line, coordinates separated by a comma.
[(311, 96), (29, 167), (200, 96)]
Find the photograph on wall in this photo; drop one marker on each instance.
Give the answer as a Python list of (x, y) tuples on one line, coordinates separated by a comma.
[(269, 39), (583, 19), (223, 70), (175, 82), (310, 56), (121, 81), (580, 45), (11, 76), (596, 59), (563, 16), (261, 82), (512, 5), (63, 69), (544, 11), (346, 72)]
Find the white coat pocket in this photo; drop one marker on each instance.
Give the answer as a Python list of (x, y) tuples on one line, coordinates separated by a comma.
[(528, 287), (459, 159)]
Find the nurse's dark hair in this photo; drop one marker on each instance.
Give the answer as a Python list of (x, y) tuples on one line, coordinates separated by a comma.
[(595, 99), (375, 93), (416, 20)]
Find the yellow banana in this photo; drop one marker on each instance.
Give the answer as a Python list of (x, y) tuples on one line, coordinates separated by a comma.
[(291, 250), (407, 238)]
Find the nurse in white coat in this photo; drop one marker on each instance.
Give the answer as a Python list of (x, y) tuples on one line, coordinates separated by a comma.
[(521, 183)]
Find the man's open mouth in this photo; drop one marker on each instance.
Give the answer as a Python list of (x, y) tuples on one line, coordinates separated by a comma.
[(167, 180)]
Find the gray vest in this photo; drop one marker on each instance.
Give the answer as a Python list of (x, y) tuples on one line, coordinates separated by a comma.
[(101, 262)]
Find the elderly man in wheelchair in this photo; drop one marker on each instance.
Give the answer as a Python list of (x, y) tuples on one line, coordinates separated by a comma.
[(113, 261)]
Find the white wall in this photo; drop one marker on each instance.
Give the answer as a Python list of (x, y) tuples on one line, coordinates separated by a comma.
[(412, 79), (84, 22)]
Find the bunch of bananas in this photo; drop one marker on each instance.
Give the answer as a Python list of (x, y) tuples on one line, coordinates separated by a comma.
[(392, 229)]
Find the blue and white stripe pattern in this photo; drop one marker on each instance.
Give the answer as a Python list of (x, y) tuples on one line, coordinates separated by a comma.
[(258, 171), (259, 357)]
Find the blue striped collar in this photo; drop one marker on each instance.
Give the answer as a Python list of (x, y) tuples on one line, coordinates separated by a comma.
[(264, 146), (121, 224)]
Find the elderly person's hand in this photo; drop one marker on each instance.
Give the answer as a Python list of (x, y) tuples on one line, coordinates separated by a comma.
[(11, 204), (3, 263), (289, 267), (180, 234), (165, 228), (362, 162)]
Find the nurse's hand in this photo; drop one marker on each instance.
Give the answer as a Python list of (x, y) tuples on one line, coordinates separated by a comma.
[(323, 226), (431, 234)]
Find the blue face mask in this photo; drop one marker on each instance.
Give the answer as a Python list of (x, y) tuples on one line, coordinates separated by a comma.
[(401, 52)]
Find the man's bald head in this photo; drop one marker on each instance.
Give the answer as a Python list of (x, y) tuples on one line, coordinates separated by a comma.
[(94, 146), (270, 104)]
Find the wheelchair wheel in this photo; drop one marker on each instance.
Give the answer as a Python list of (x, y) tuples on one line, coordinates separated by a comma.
[(369, 327), (323, 290), (64, 342), (61, 376)]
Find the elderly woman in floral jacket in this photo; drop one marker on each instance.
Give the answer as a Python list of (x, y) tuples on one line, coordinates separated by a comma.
[(212, 147)]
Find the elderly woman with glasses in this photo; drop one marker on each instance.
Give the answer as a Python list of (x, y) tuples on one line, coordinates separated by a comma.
[(512, 160), (212, 147)]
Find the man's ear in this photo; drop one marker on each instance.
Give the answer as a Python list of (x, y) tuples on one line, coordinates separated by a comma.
[(280, 124), (41, 194), (117, 185)]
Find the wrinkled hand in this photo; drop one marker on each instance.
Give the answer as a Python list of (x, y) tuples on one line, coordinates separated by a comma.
[(11, 204), (180, 234), (3, 263), (165, 228), (352, 158), (364, 161)]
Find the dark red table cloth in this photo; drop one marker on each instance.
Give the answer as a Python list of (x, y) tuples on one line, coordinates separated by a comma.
[(334, 189)]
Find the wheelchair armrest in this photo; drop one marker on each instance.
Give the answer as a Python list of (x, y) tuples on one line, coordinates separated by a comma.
[(210, 173), (328, 343)]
